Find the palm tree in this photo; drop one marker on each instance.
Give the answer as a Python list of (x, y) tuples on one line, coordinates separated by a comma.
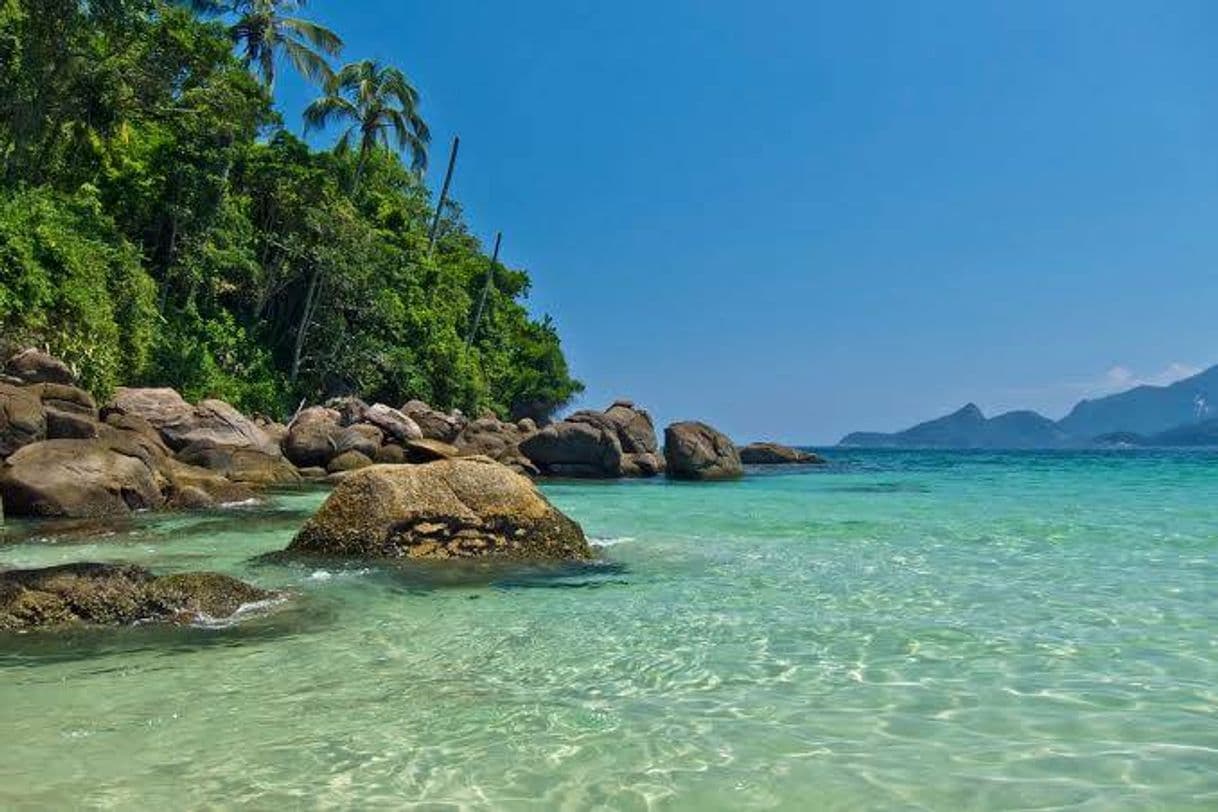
[(382, 108), (264, 31)]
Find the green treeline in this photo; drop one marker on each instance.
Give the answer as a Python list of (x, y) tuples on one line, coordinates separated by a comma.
[(160, 226)]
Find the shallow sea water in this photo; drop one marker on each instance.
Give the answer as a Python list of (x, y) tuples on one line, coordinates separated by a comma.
[(896, 631)]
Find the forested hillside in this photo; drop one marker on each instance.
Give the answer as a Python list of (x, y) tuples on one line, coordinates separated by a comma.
[(159, 225)]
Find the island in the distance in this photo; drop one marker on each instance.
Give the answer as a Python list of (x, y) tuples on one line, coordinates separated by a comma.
[(1177, 415)]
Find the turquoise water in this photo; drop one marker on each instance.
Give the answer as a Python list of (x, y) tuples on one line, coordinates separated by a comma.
[(898, 631)]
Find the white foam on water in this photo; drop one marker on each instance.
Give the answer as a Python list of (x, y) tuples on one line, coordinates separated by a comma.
[(206, 621), (609, 542), (253, 500), (321, 576)]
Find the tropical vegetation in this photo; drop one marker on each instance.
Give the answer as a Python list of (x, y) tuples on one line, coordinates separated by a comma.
[(160, 225)]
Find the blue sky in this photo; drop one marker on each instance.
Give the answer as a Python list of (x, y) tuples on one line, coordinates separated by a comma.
[(798, 219)]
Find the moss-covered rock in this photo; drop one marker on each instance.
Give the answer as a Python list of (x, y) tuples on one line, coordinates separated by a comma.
[(92, 594), (461, 508)]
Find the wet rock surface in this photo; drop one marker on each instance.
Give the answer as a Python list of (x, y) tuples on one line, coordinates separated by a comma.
[(777, 454), (92, 594)]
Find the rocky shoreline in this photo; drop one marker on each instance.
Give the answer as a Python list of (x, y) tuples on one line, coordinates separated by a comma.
[(411, 482)]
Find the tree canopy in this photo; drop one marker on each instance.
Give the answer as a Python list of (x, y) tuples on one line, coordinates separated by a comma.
[(159, 225)]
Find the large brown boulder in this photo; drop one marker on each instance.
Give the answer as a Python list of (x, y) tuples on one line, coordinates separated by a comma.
[(462, 508), (192, 487), (619, 441), (391, 454), (777, 454), (251, 466), (125, 468), (426, 450), (181, 424), (393, 424), (350, 410), (136, 430), (694, 450), (312, 438), (585, 447), (276, 431), (636, 432), (183, 485), (78, 478), (35, 366), (491, 437), (348, 461), (69, 412), (22, 418), (89, 594), (70, 426), (434, 424), (317, 435), (362, 437)]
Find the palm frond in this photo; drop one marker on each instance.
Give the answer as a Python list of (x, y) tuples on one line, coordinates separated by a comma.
[(343, 146), (308, 62), (322, 111), (320, 37)]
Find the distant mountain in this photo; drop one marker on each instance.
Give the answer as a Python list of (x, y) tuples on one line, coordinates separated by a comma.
[(969, 428), (1177, 415), (1190, 435), (1147, 409)]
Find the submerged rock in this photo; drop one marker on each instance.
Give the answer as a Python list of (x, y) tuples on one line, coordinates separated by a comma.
[(460, 508), (777, 454), (91, 594), (694, 450)]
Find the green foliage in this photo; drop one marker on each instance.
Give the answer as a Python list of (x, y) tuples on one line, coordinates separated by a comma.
[(158, 227), (69, 281)]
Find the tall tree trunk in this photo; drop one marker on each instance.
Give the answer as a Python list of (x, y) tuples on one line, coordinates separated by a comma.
[(448, 179), (490, 276), (305, 318), (173, 247)]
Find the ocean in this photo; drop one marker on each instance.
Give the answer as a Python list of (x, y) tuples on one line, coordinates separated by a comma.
[(896, 630)]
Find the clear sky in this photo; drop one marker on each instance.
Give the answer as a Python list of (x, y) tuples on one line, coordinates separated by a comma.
[(796, 219)]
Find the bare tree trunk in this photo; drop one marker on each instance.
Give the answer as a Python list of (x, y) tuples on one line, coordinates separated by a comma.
[(305, 318), (448, 179), (490, 277), (173, 247)]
